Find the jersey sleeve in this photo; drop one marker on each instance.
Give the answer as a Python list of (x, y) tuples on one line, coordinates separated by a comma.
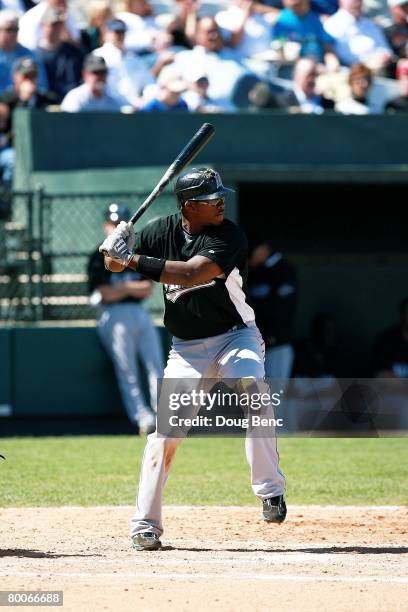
[(227, 248)]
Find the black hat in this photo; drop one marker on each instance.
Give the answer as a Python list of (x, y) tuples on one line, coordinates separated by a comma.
[(200, 184), (116, 25), (115, 213), (94, 63), (25, 65)]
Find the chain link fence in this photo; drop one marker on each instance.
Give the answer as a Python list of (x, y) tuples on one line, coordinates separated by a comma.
[(45, 250)]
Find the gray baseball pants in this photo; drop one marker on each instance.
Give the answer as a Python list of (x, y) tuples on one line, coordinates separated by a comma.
[(234, 354), (127, 332)]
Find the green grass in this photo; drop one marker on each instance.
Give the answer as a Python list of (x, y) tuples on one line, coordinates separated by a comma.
[(104, 471)]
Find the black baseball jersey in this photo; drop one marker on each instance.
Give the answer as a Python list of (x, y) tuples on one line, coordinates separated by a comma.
[(206, 309)]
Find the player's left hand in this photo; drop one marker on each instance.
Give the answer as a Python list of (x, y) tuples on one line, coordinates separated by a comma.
[(115, 246), (127, 232)]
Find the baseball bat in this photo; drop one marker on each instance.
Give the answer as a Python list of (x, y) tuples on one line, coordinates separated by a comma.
[(190, 151)]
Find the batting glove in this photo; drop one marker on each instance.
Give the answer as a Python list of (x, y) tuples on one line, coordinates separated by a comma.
[(116, 247), (127, 232)]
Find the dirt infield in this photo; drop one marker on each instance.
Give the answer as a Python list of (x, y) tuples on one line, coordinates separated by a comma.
[(342, 558)]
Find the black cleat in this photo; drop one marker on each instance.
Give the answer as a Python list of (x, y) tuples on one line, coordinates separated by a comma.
[(274, 509), (146, 540)]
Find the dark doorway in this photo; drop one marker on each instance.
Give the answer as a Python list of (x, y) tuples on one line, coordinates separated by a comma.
[(326, 218)]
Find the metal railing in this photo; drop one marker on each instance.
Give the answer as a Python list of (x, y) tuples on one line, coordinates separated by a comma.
[(44, 253)]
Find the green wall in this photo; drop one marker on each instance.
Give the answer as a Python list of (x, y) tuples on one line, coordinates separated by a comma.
[(58, 371), (5, 371), (52, 142)]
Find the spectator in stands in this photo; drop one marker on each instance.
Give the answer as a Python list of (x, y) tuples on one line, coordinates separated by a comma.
[(299, 25), (358, 39), (196, 96), (63, 61), (11, 50), (390, 352), (319, 355), (397, 32), (128, 73), (7, 162), (303, 97), (25, 93), (30, 23), (272, 287), (360, 81), (249, 30), (98, 12), (168, 97), (182, 26), (400, 104), (125, 329), (144, 33), (92, 95), (221, 66)]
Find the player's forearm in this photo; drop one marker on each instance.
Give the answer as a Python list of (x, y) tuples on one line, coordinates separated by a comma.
[(186, 273)]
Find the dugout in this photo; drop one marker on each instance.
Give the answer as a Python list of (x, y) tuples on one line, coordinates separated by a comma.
[(327, 188)]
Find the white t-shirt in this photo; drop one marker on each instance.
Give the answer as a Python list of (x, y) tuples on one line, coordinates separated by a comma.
[(80, 99), (349, 106), (128, 74), (257, 35), (30, 26), (140, 31), (221, 69), (356, 40)]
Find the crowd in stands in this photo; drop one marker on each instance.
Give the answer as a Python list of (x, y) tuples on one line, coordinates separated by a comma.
[(306, 56), (309, 56)]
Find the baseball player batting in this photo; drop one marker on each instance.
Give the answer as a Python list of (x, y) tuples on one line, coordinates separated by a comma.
[(201, 259)]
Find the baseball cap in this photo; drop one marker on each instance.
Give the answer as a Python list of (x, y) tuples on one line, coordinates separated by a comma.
[(402, 68), (25, 65), (172, 80), (201, 184), (94, 63), (53, 15), (115, 213), (116, 25)]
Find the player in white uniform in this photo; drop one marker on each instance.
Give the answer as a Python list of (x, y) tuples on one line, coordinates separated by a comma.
[(201, 260)]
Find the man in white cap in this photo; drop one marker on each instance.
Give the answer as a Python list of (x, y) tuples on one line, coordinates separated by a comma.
[(168, 97), (128, 73)]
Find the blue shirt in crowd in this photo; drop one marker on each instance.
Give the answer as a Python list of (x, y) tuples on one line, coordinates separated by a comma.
[(157, 105), (7, 59), (306, 30)]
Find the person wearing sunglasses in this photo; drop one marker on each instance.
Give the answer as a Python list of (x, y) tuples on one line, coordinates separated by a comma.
[(200, 258)]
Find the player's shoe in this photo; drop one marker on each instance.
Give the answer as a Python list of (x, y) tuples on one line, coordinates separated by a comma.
[(147, 423), (146, 540), (274, 509)]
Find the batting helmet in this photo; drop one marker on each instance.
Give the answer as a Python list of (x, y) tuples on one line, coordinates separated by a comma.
[(115, 213), (200, 184)]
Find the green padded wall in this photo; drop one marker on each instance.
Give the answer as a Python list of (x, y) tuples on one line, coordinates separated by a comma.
[(62, 371), (6, 356)]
